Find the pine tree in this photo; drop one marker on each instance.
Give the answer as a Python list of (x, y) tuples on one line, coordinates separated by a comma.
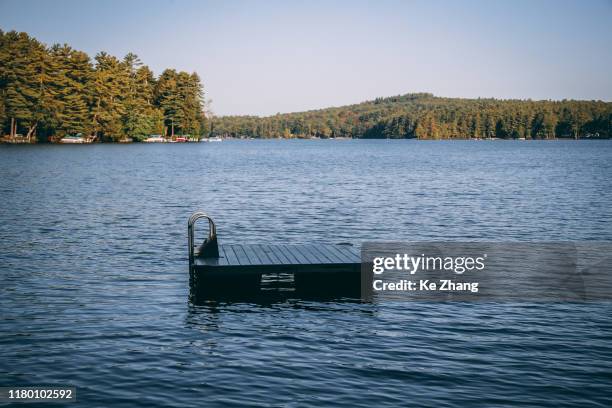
[(110, 85), (23, 60), (141, 117), (2, 111), (73, 82), (168, 100), (3, 79), (475, 127)]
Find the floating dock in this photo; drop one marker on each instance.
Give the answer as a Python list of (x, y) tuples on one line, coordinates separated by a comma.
[(237, 269)]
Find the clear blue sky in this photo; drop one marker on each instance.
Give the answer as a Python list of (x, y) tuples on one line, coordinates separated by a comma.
[(263, 57)]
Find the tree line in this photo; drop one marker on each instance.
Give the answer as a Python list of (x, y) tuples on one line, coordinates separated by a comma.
[(424, 116), (51, 92)]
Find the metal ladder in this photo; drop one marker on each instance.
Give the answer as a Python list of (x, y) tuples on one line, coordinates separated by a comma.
[(210, 246)]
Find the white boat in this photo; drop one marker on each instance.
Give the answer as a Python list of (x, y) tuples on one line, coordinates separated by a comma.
[(72, 139), (155, 139), (212, 139)]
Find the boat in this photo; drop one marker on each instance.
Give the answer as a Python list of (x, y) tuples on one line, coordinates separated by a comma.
[(155, 139), (212, 139), (77, 139), (181, 139), (72, 140)]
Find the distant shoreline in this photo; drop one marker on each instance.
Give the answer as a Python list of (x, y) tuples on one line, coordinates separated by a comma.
[(58, 94), (306, 139)]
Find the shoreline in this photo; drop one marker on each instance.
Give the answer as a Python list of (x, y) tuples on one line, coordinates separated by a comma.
[(304, 139)]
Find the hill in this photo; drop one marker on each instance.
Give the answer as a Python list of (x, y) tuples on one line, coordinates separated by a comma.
[(425, 116)]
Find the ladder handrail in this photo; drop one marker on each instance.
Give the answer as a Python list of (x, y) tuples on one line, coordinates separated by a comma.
[(212, 232)]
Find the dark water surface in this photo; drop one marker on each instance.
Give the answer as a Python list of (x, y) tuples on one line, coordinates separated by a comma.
[(94, 278)]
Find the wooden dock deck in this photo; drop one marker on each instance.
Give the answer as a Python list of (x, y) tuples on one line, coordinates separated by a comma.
[(238, 268), (259, 258)]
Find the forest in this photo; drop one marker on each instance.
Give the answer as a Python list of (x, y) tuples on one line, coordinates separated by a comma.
[(50, 92), (424, 116)]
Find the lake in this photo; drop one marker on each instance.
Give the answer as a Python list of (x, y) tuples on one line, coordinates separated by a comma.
[(94, 272)]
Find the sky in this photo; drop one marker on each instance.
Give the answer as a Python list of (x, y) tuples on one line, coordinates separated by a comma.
[(263, 57)]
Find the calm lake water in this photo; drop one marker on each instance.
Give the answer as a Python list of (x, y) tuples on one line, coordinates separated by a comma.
[(94, 276)]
